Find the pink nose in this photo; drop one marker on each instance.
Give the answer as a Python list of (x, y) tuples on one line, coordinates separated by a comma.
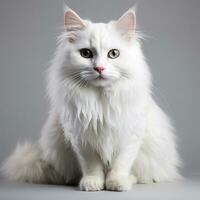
[(99, 69)]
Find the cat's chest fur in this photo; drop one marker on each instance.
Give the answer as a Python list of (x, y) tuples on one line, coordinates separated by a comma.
[(102, 120)]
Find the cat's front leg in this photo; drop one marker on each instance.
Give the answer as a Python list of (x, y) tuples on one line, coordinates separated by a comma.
[(119, 177), (92, 169)]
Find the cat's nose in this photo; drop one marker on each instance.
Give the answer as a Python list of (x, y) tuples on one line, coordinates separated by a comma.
[(99, 69)]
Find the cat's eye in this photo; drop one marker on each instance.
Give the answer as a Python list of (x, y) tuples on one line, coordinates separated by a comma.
[(86, 53), (113, 53)]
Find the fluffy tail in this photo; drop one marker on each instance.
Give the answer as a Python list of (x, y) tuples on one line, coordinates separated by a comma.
[(26, 165)]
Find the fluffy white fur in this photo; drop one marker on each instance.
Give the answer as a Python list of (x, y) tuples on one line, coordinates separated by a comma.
[(101, 133)]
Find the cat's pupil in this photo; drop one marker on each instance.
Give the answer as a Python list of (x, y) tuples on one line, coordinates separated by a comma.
[(86, 53), (113, 53)]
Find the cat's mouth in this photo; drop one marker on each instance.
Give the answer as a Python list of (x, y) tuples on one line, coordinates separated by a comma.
[(101, 80), (104, 78), (100, 77)]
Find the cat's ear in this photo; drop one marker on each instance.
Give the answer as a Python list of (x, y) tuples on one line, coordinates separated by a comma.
[(126, 24), (72, 21)]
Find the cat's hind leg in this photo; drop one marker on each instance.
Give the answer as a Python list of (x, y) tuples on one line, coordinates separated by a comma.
[(51, 160), (26, 165), (157, 159)]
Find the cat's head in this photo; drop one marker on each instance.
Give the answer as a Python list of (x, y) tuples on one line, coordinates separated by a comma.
[(101, 54)]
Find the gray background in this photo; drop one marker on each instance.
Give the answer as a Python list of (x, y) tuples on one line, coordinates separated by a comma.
[(28, 31)]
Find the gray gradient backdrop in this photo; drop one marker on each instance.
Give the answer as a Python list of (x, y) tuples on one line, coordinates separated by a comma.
[(28, 31)]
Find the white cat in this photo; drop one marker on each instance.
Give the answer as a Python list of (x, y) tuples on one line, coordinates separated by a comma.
[(104, 130)]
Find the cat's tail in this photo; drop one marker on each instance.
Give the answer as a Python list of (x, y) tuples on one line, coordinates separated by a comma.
[(26, 165)]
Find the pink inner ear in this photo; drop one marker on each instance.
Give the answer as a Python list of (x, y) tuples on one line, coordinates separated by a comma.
[(73, 22), (126, 24)]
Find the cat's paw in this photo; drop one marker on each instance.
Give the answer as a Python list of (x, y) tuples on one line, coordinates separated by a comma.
[(118, 183), (91, 183)]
